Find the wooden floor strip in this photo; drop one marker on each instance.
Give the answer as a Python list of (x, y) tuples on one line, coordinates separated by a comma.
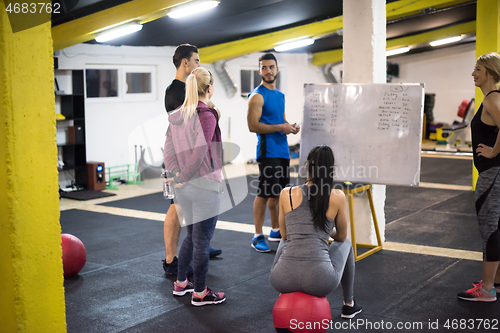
[(446, 186), (433, 251), (249, 228)]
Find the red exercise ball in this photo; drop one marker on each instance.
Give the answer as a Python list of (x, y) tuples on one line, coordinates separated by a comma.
[(299, 312), (74, 255)]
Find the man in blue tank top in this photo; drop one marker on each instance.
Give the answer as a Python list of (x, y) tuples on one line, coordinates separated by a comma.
[(266, 118)]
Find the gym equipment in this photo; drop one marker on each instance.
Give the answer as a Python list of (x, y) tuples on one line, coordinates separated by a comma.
[(74, 255), (456, 132), (299, 312), (96, 176)]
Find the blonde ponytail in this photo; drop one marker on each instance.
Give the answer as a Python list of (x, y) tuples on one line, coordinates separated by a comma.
[(197, 84)]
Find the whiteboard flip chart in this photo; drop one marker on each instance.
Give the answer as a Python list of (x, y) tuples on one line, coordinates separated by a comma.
[(374, 130)]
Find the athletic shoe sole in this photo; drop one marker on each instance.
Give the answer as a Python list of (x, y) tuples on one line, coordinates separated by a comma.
[(272, 239), (478, 299), (352, 315), (182, 293), (207, 302), (262, 251)]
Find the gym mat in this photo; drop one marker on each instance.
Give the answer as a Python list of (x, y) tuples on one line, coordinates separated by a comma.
[(446, 171), (85, 195)]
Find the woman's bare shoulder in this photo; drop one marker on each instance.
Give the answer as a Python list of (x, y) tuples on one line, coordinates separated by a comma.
[(337, 196)]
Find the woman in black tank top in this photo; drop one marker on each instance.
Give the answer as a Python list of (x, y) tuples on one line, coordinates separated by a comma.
[(486, 152)]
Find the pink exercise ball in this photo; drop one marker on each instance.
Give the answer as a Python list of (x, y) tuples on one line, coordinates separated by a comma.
[(299, 312), (74, 255)]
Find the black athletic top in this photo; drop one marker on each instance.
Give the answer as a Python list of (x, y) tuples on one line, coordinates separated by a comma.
[(486, 134), (174, 95)]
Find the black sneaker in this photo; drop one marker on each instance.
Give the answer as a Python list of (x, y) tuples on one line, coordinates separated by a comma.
[(171, 269), (211, 297), (214, 252), (349, 312)]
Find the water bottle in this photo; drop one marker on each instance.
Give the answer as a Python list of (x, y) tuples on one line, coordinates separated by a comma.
[(168, 190)]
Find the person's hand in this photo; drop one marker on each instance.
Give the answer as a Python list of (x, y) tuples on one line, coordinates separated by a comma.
[(484, 150), (286, 128), (296, 128), (176, 185)]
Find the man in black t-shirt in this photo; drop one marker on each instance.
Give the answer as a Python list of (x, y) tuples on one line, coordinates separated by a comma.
[(185, 59)]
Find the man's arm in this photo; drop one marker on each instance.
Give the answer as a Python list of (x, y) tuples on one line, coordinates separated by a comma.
[(255, 105), (295, 127)]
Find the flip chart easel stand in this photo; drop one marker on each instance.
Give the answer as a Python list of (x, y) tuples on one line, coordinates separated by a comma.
[(373, 248)]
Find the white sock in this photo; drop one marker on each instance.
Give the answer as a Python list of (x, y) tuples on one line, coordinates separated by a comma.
[(202, 294), (275, 229), (256, 235), (351, 305), (183, 283)]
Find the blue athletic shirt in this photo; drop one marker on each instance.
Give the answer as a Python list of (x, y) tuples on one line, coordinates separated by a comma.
[(272, 145)]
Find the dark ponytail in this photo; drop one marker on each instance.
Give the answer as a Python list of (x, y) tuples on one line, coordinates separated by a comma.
[(320, 172)]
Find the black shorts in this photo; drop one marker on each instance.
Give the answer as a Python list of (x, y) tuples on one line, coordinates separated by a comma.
[(274, 175)]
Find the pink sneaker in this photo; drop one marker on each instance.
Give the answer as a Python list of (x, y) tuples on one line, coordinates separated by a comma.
[(211, 297), (478, 294), (495, 284), (181, 291)]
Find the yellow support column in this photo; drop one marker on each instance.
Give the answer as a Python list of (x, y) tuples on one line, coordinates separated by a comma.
[(31, 276), (487, 40)]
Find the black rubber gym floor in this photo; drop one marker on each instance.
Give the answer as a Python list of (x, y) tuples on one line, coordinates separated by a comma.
[(122, 287)]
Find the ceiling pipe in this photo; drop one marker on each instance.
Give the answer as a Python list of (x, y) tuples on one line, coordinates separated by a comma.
[(226, 77), (328, 73)]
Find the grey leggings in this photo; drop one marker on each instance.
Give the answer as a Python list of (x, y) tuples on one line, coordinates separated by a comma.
[(317, 278), (201, 209), (488, 212)]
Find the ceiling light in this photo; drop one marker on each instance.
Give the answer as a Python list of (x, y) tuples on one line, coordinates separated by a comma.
[(397, 51), (119, 31), (192, 8), (446, 41), (294, 45)]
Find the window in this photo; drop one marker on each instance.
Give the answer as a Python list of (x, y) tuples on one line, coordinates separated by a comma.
[(251, 79), (138, 83), (102, 83), (124, 82)]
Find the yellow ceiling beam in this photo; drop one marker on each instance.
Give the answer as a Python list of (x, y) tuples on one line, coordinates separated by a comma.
[(326, 57), (86, 28), (459, 29), (404, 8), (249, 45)]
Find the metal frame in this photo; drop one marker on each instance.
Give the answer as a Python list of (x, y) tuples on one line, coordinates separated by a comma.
[(373, 248)]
